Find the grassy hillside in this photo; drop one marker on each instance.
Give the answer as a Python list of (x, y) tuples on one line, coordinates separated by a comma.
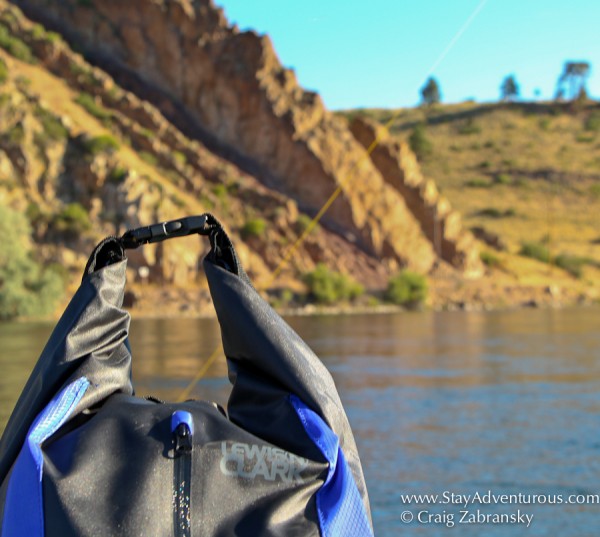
[(526, 172)]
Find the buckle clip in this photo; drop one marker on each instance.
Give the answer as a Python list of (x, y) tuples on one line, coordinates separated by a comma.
[(134, 238)]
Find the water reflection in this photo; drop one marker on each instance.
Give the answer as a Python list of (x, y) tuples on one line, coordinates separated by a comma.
[(458, 402)]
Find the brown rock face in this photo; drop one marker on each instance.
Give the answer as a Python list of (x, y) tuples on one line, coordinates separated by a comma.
[(228, 88), (442, 226)]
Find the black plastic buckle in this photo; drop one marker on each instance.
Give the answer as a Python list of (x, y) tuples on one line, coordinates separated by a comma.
[(134, 238)]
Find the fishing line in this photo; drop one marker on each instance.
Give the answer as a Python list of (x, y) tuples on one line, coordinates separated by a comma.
[(339, 189)]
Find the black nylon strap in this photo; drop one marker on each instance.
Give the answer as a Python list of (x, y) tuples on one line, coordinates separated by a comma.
[(222, 253)]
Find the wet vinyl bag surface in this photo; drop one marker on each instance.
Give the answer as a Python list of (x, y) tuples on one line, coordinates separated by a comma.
[(82, 456)]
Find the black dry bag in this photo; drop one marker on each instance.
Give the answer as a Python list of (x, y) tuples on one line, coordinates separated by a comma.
[(82, 456)]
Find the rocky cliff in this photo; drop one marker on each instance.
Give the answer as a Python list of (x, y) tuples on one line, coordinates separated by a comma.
[(71, 137), (399, 167), (228, 89), (170, 110)]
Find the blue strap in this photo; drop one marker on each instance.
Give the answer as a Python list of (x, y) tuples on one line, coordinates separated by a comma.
[(339, 504), (23, 508)]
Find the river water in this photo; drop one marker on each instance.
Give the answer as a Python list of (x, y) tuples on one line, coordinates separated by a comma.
[(448, 404)]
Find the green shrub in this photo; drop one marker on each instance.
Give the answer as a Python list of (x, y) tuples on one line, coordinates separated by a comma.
[(503, 179), (73, 219), (52, 126), (33, 213), (478, 183), (148, 158), (535, 250), (14, 46), (38, 31), (407, 289), (282, 298), (254, 227), (220, 192), (89, 104), (3, 72), (492, 212), (53, 37), (545, 123), (594, 191), (468, 127), (328, 287), (489, 259), (179, 158), (146, 133), (117, 175), (16, 135), (178, 202), (419, 143), (571, 263), (27, 287), (82, 71), (592, 122), (303, 222), (100, 144)]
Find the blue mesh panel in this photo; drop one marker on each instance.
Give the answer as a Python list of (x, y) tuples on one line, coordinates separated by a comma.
[(339, 505), (23, 508)]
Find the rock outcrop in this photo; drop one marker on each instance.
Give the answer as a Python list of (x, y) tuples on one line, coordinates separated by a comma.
[(399, 167), (229, 90), (50, 158)]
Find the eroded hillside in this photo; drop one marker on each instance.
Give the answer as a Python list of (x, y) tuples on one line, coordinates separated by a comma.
[(167, 110)]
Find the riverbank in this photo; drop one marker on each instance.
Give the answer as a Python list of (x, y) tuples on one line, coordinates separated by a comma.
[(444, 295)]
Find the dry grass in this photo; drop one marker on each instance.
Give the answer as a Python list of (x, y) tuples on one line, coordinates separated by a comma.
[(535, 168)]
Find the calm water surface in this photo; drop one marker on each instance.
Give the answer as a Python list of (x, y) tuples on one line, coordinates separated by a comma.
[(440, 403)]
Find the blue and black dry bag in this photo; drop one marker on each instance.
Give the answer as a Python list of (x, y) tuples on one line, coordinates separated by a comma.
[(82, 456)]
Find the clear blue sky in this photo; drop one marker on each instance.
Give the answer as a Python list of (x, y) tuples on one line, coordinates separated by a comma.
[(378, 53)]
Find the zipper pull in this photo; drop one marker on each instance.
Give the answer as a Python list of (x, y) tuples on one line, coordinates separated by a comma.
[(182, 428)]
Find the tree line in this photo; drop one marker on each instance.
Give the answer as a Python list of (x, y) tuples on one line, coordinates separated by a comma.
[(571, 85)]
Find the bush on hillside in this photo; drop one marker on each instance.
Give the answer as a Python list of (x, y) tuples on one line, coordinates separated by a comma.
[(148, 158), (92, 107), (100, 144), (468, 127), (571, 263), (72, 219), (14, 46), (535, 250), (592, 122), (594, 191), (419, 143), (303, 222), (503, 179), (478, 182), (53, 128), (328, 287), (117, 175), (255, 227), (493, 212), (27, 289), (3, 72), (407, 289), (490, 259)]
